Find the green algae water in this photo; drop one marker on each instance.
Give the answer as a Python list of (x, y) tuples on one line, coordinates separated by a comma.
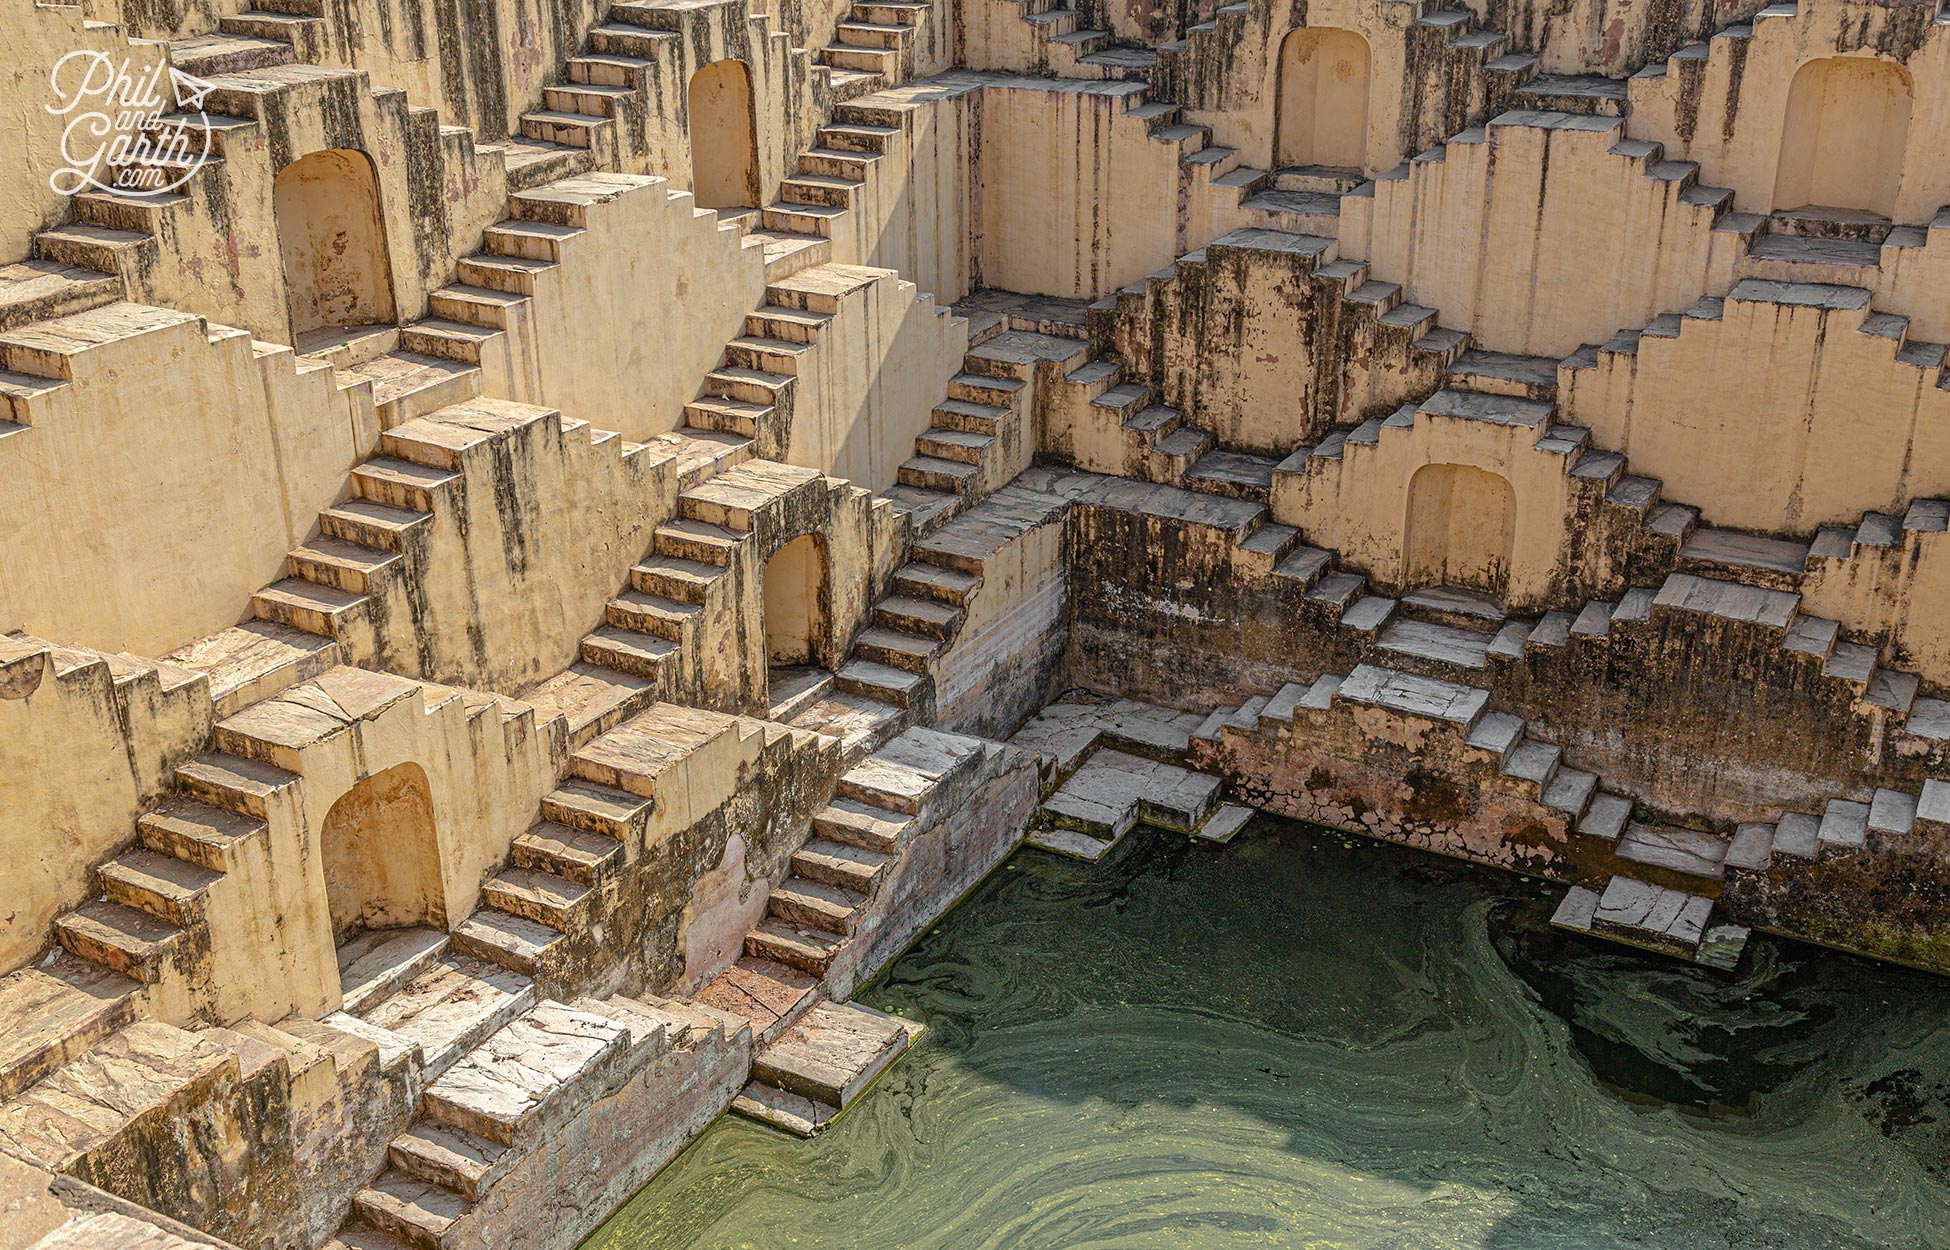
[(1301, 1041)]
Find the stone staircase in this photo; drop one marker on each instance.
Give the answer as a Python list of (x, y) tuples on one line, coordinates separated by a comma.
[(563, 899), (353, 582), (820, 1064), (1508, 763), (144, 958), (1789, 293), (654, 630), (494, 1106), (836, 888), (751, 394)]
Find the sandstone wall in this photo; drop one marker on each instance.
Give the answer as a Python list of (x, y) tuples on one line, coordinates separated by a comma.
[(1777, 409), (140, 518)]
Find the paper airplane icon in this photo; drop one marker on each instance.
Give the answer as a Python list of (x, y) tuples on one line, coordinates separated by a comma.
[(190, 91)]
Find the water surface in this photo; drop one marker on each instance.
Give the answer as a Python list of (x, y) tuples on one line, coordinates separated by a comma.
[(1305, 1041)]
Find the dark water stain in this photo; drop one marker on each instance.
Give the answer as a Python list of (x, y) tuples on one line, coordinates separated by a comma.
[(1304, 1040)]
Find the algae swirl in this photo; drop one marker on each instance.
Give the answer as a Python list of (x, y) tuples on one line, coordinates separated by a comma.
[(1305, 1041)]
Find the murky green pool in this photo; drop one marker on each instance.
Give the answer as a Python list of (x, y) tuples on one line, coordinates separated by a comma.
[(1299, 1041)]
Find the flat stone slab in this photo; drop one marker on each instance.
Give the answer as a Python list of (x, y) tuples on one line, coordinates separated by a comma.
[(1575, 910), (379, 961), (1798, 834), (1845, 824), (1752, 848), (1412, 695), (1652, 916), (1225, 823), (1441, 644), (1065, 732), (783, 1109), (1750, 551), (766, 993), (1688, 851), (501, 1087), (1732, 600), (833, 1052), (1069, 842)]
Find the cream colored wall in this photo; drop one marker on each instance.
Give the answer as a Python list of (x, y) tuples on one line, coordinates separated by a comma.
[(163, 483), (36, 37), (1369, 136), (332, 242), (1773, 417), (1895, 593), (1614, 38), (1734, 121), (485, 775), (535, 533), (1360, 507), (1105, 191), (220, 248), (868, 387), (916, 212), (1501, 235), (71, 794), (652, 289)]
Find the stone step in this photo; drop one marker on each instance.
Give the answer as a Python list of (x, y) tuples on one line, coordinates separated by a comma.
[(595, 808), (233, 783), (52, 1013), (421, 1214), (186, 829), (316, 609), (769, 995), (505, 940), (146, 1073), (840, 865), (1437, 645), (833, 1053), (558, 902), (1412, 694), (567, 853), (451, 1008), (450, 1157), (674, 577), (865, 825), (172, 890), (879, 681), (931, 581), (120, 938), (529, 1076), (346, 566), (933, 473), (809, 950), (1751, 559), (816, 905), (910, 653), (926, 617), (375, 964), (1689, 852), (653, 614), (372, 524), (700, 541), (628, 651)]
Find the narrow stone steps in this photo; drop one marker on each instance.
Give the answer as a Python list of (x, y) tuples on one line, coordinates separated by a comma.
[(815, 905), (840, 865)]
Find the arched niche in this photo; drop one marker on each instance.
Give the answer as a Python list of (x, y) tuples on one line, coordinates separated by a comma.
[(1322, 100), (1842, 142), (332, 239), (1460, 530), (382, 856), (724, 141)]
